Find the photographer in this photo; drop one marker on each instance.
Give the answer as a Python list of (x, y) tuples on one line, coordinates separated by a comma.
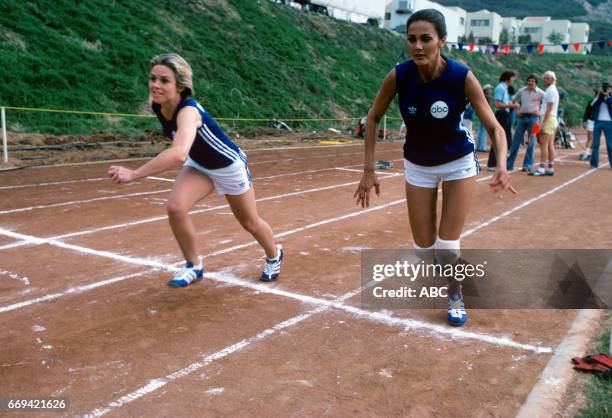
[(602, 115)]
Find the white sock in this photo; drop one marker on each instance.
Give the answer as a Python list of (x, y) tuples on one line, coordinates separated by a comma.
[(447, 251), (424, 253)]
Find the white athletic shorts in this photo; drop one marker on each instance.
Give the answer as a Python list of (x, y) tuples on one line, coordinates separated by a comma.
[(234, 180), (590, 125), (429, 177)]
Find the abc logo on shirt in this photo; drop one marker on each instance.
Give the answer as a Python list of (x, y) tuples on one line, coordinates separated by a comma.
[(439, 110)]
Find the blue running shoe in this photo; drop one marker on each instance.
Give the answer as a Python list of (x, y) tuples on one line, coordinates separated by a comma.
[(457, 316), (188, 275), (272, 267)]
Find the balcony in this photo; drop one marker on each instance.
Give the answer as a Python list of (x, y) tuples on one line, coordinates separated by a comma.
[(404, 11), (403, 7)]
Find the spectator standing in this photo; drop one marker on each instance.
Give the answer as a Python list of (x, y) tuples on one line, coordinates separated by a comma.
[(602, 116), (530, 99), (502, 112), (549, 125)]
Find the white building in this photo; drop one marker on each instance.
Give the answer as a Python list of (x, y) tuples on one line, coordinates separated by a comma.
[(579, 32), (484, 24), (397, 13), (512, 26), (533, 26)]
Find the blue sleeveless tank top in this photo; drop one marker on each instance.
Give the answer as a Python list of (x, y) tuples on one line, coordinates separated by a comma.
[(432, 112), (211, 148)]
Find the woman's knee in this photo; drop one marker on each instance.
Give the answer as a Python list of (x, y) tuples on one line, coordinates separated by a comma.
[(176, 208), (250, 224)]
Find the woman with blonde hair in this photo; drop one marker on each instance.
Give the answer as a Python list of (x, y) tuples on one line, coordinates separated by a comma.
[(211, 161)]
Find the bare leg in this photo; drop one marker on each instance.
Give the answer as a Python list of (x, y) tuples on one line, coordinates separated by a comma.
[(543, 151), (190, 187), (457, 196), (551, 150), (547, 146), (422, 214), (245, 210)]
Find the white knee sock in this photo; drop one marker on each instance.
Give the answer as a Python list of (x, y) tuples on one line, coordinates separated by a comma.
[(447, 251)]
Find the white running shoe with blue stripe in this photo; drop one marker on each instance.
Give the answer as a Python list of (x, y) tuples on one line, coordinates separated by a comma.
[(273, 266), (457, 316), (188, 275)]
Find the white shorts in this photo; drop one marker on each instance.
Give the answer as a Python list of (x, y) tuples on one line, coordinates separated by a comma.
[(429, 177), (234, 180), (590, 125)]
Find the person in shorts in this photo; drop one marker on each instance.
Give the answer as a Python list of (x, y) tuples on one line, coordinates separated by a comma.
[(548, 126), (433, 92), (211, 161)]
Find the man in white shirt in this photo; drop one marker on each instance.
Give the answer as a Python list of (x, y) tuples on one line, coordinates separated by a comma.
[(602, 115), (548, 126), (530, 98)]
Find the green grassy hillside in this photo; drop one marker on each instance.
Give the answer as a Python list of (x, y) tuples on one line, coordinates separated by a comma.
[(250, 58)]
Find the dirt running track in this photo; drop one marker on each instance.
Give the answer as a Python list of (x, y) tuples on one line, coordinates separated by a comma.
[(86, 314)]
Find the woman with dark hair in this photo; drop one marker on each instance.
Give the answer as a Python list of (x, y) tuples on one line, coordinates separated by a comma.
[(211, 161), (433, 92)]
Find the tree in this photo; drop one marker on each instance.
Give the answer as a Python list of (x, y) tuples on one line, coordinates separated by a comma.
[(524, 39), (555, 38), (504, 36), (471, 37)]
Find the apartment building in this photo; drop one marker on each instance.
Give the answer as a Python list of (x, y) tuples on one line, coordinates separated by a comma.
[(397, 13), (485, 25)]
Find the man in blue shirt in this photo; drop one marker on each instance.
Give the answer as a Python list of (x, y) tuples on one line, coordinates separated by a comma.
[(502, 112)]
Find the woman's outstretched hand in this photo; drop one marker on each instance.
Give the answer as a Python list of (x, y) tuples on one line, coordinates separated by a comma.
[(362, 194), (120, 174), (500, 183)]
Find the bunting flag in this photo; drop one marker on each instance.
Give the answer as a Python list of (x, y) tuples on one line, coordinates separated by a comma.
[(506, 49), (541, 48), (517, 49), (610, 43), (564, 46), (588, 47), (482, 49), (495, 48), (449, 46), (529, 49), (601, 44), (577, 46), (460, 45), (471, 47)]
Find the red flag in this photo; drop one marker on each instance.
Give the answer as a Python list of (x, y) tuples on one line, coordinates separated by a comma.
[(536, 129), (506, 49), (610, 43), (541, 48), (471, 47), (577, 46)]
